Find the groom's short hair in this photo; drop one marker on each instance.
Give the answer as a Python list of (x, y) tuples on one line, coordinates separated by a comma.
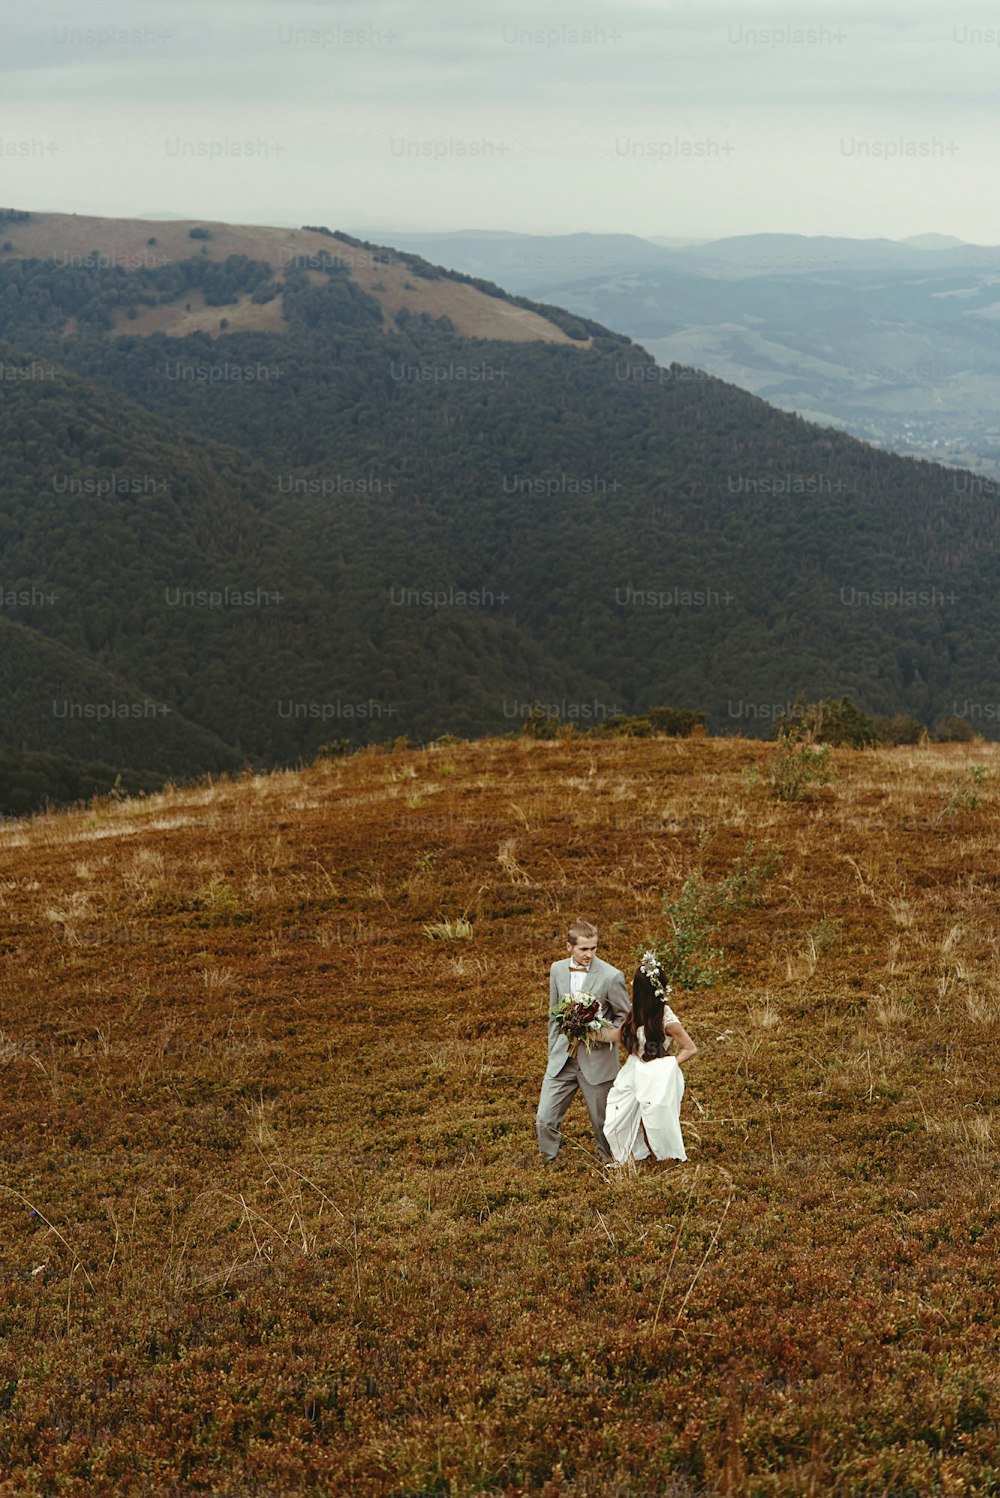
[(578, 929)]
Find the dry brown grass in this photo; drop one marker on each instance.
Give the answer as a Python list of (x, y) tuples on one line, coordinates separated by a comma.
[(124, 242), (473, 314), (272, 1217)]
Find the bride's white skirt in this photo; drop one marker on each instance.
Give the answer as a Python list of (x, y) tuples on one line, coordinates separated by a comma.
[(646, 1095)]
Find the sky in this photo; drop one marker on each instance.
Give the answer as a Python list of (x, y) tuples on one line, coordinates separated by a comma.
[(679, 118)]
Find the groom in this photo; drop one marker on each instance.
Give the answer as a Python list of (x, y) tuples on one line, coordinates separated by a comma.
[(591, 1071)]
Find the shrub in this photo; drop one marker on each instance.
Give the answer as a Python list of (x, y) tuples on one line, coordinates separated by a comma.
[(688, 956), (743, 886), (334, 748), (795, 766), (797, 763), (678, 722), (964, 793), (900, 729), (540, 723), (839, 722), (951, 730), (219, 905), (619, 726), (675, 722)]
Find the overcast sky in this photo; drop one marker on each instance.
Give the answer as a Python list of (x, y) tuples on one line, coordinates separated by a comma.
[(687, 118)]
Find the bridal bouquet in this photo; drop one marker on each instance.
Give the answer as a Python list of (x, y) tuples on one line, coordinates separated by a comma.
[(578, 1016)]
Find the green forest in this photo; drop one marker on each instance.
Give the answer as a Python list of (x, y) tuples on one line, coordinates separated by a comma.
[(228, 551)]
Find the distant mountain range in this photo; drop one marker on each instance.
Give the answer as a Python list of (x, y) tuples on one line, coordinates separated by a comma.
[(265, 490), (897, 342)]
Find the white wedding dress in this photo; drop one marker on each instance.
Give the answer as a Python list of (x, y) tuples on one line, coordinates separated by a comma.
[(646, 1097)]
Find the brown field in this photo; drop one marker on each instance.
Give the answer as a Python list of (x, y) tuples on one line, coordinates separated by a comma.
[(125, 242), (178, 319), (272, 1219), (474, 314)]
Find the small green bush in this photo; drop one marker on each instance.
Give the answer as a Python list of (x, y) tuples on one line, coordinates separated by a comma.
[(953, 730), (689, 956), (839, 722), (965, 792), (219, 905), (900, 729), (796, 766)]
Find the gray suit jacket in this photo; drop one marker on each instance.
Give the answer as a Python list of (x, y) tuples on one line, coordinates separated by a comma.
[(608, 985)]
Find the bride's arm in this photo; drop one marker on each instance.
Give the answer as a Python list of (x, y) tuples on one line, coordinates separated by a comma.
[(687, 1047), (618, 1001)]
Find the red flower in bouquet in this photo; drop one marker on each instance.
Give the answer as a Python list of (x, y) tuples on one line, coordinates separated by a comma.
[(580, 1017)]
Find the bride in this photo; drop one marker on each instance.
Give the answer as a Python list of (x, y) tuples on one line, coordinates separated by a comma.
[(644, 1104)]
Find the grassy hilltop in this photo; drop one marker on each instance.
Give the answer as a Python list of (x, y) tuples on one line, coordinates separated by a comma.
[(272, 1219)]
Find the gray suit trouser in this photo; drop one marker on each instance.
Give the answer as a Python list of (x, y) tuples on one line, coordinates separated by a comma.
[(557, 1094)]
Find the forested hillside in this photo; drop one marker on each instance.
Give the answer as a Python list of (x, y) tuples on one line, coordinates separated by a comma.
[(361, 524), (894, 342)]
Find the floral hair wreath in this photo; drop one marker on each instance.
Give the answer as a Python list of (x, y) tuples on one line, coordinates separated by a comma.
[(651, 967)]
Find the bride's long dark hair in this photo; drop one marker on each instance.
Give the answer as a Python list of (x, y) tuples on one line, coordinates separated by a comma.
[(647, 1013)]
